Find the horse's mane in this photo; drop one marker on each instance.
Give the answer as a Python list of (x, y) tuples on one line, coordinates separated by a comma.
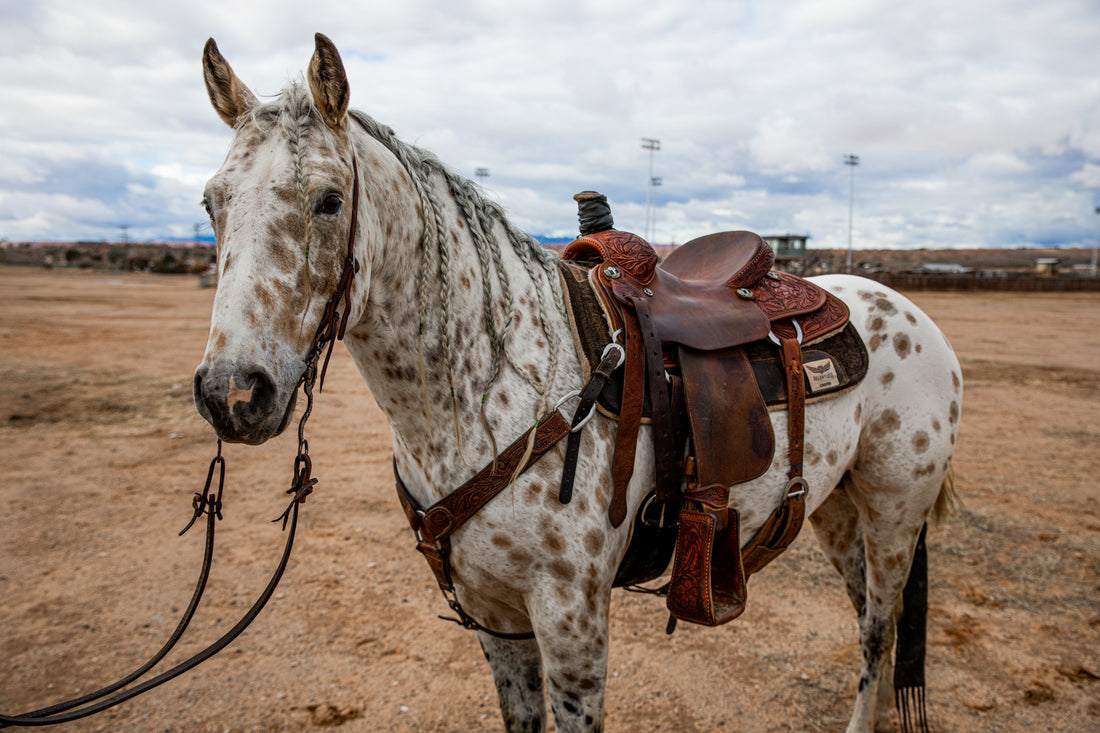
[(480, 215)]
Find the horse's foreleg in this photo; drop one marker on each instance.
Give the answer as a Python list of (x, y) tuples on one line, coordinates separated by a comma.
[(517, 673), (572, 631)]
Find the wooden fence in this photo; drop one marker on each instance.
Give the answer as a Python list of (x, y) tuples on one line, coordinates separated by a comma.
[(973, 281)]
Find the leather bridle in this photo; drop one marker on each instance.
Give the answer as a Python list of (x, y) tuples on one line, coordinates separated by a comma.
[(209, 502)]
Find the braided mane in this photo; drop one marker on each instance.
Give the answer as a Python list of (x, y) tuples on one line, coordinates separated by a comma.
[(480, 216)]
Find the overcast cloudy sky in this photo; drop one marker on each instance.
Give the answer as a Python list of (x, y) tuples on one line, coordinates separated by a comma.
[(977, 122)]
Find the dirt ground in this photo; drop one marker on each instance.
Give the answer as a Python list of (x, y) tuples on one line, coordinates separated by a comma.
[(101, 450)]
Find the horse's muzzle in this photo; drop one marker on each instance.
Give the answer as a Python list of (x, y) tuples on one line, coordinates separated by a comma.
[(242, 403)]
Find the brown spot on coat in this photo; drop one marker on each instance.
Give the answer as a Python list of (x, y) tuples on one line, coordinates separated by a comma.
[(887, 379), (886, 306), (875, 342), (593, 541), (553, 542), (902, 345), (911, 318), (520, 557), (921, 441), (886, 423), (562, 570), (925, 470), (953, 412)]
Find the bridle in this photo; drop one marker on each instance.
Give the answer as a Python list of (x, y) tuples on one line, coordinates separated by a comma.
[(209, 502)]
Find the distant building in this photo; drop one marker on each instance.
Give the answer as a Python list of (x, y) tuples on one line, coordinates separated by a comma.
[(1047, 266), (790, 251), (788, 246)]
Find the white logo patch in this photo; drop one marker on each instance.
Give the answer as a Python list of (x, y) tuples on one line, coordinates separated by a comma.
[(821, 374)]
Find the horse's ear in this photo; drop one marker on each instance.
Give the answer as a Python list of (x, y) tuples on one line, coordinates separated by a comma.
[(230, 97), (329, 82)]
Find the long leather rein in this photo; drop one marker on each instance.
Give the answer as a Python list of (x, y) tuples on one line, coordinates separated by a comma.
[(209, 502)]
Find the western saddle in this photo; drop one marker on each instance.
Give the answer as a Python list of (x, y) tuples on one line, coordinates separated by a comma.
[(689, 327)]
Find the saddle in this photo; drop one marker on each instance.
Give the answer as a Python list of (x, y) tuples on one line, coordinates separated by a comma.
[(702, 333)]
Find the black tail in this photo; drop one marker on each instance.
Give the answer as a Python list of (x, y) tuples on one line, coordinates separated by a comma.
[(911, 642)]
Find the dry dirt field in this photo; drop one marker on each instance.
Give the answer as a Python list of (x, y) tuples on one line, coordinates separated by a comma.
[(101, 450)]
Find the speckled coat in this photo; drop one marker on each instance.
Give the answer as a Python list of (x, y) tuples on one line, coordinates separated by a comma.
[(464, 348)]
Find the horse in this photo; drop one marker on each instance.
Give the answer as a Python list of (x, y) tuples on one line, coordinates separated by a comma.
[(455, 320)]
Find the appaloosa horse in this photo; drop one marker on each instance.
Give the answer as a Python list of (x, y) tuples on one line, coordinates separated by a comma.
[(457, 324)]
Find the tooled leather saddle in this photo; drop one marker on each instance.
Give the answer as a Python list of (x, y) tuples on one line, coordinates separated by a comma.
[(703, 333)]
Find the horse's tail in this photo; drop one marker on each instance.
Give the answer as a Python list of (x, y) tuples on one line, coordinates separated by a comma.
[(911, 643), (948, 500), (911, 629)]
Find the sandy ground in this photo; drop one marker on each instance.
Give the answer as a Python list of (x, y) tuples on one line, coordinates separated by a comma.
[(101, 450)]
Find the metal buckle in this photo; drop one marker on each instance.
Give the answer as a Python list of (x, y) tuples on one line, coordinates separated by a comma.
[(584, 421), (566, 397), (659, 522), (796, 481), (570, 395), (614, 345)]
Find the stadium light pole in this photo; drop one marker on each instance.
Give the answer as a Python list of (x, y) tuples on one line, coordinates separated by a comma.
[(482, 174), (652, 145), (852, 161)]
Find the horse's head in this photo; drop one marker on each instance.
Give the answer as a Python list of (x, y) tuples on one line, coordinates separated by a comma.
[(281, 209)]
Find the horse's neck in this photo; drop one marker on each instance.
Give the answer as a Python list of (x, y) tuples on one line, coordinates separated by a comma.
[(457, 360)]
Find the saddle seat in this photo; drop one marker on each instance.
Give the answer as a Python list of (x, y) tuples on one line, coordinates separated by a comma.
[(713, 292)]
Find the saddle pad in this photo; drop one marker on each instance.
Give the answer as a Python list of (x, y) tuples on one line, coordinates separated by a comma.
[(832, 365)]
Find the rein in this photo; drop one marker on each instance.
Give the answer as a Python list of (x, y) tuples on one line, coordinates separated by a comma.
[(330, 330)]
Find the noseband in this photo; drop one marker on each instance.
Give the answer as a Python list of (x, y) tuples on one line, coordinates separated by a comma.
[(330, 330)]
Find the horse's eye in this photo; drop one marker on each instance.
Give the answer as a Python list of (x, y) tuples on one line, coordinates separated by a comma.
[(331, 203), (206, 205)]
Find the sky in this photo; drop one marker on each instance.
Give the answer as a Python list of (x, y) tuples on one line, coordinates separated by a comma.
[(976, 122)]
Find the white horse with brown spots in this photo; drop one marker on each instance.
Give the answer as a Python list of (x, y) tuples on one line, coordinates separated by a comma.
[(458, 327)]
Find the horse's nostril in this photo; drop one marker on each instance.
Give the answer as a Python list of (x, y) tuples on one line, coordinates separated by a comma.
[(261, 392)]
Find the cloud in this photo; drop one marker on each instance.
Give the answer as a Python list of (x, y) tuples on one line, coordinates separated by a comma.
[(998, 163), (976, 123), (1088, 176)]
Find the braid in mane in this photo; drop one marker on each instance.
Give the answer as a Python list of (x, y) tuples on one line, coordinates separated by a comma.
[(481, 215)]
